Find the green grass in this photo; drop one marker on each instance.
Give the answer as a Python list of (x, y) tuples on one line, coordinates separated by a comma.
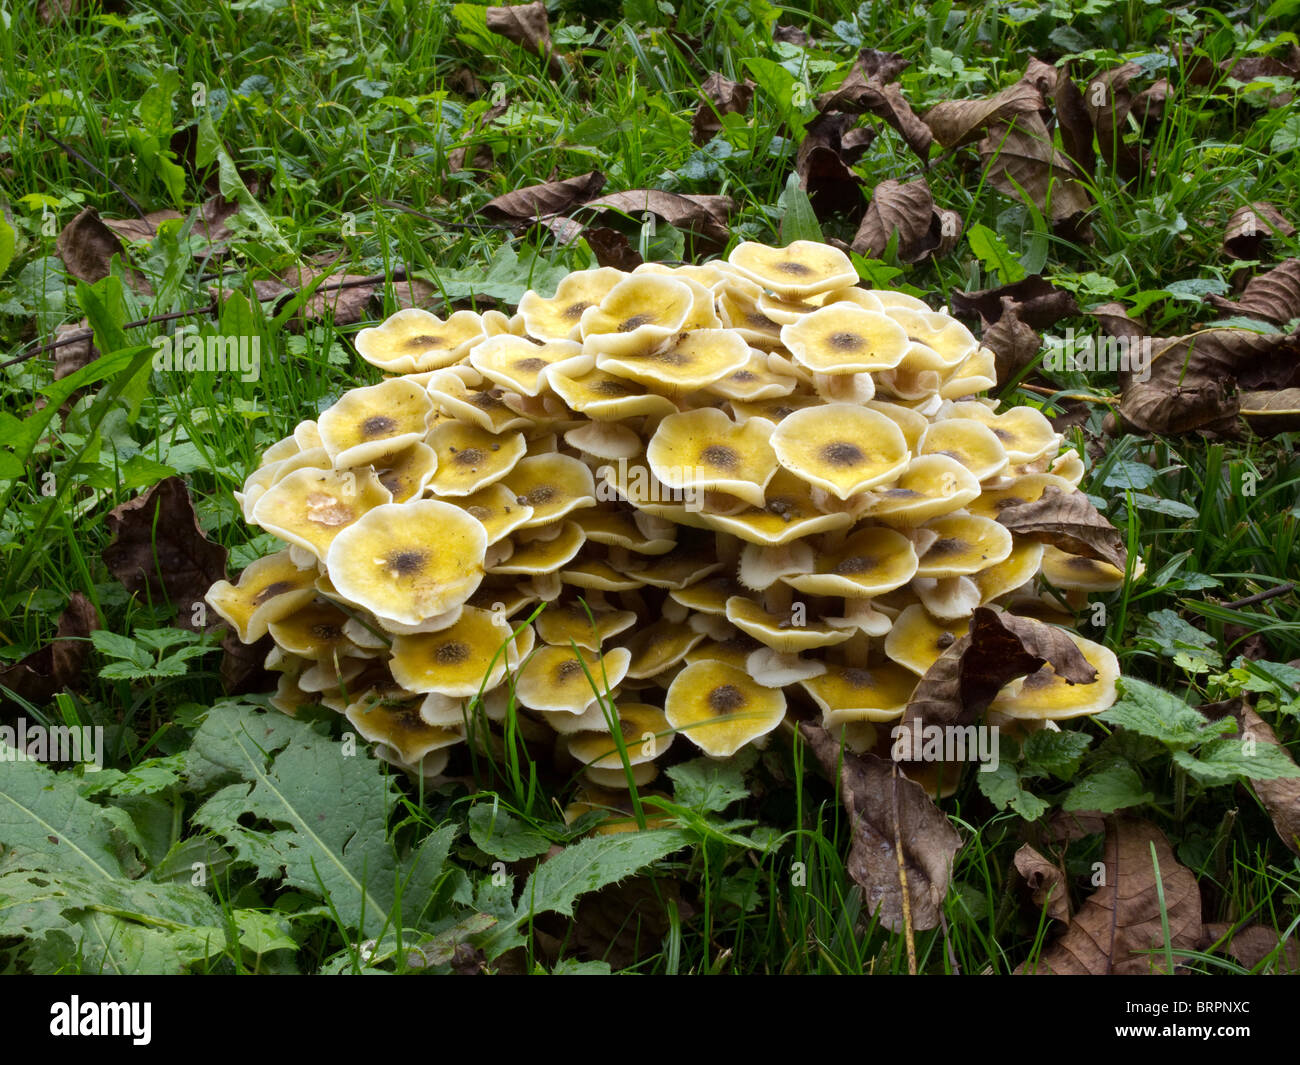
[(333, 111)]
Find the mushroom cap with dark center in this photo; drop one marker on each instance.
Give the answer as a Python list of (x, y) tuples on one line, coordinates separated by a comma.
[(720, 708), (456, 661)]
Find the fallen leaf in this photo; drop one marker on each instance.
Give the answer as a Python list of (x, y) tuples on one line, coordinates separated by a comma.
[(998, 648), (1250, 226), (870, 89), (958, 122), (625, 923), (565, 229), (1273, 296), (902, 208), (1069, 522), (159, 547), (706, 216), (548, 198), (1270, 413), (1046, 883), (1280, 797), (71, 357), (1065, 826), (1020, 160), (144, 229), (1014, 344), (212, 220), (869, 787), (612, 248), (413, 292), (1074, 121), (1040, 304), (341, 297), (87, 246), (721, 97), (791, 35), (1207, 407), (1252, 944), (1118, 929), (527, 26), (1115, 321), (56, 666), (1108, 100), (832, 143)]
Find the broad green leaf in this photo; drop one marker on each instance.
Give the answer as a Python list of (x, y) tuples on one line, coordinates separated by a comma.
[(789, 95), (1227, 760), (1057, 753), (591, 864), (1171, 634), (210, 149), (708, 785), (8, 240), (1002, 787), (1154, 712), (1106, 790), (260, 932), (497, 833), (992, 252), (798, 221)]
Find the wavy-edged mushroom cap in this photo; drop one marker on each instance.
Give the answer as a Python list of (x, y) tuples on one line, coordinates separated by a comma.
[(482, 407), (841, 447), (602, 396), (890, 299), (930, 486), (409, 561), (469, 656), (694, 361), (642, 775), (470, 458), (315, 632), (976, 374), (407, 473), (708, 596), (720, 708), (857, 693), (553, 485), (872, 561), (1068, 465), (775, 410), (738, 308), (588, 625), (631, 530), (519, 365), (788, 513), (1024, 432), (397, 724), (946, 341), (659, 647), (365, 424), (269, 589), (755, 380), (543, 554), (497, 509), (559, 317), (916, 639), (1013, 572), (703, 449), (971, 443), (557, 680), (415, 341), (912, 423), (779, 631), (310, 507), (605, 440), (966, 544), (1024, 489), (639, 314), (597, 575), (646, 735), (801, 269), (845, 338), (1076, 573), (1046, 696)]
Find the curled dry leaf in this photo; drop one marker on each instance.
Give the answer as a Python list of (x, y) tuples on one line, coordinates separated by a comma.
[(71, 357), (1207, 407), (527, 26), (1118, 930), (87, 246), (1069, 522), (905, 208), (1046, 883), (1065, 826), (870, 89), (342, 297), (1115, 321), (791, 35), (1252, 944), (1250, 226), (832, 144), (1269, 413), (57, 665), (158, 546), (958, 122), (998, 648), (1281, 797), (1074, 121), (549, 198), (1273, 296), (612, 248), (1020, 160), (870, 789), (721, 97), (705, 216), (144, 229), (1014, 344), (1108, 100), (1040, 304)]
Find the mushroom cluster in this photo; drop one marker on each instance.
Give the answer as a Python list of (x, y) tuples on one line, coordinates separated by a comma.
[(667, 501)]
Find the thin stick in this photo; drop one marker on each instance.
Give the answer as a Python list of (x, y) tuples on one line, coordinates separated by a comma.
[(74, 154), (1056, 393), (902, 880), (1259, 597)]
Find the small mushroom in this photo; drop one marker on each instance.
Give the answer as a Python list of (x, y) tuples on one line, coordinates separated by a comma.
[(518, 365), (639, 314), (470, 458), (841, 448), (930, 486), (1024, 432), (705, 450), (801, 269), (845, 339), (366, 424), (398, 725), (310, 508), (415, 341), (917, 639), (540, 555), (553, 485), (558, 680), (407, 473), (720, 708), (646, 735), (269, 589), (855, 693), (971, 443), (468, 657), (559, 317), (587, 623), (691, 362)]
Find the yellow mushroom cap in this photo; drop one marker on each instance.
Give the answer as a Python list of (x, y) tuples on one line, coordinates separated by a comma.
[(872, 561), (1047, 696), (558, 318), (629, 529), (845, 338), (398, 725), (553, 485), (720, 708), (704, 449), (558, 680), (738, 308), (368, 423), (315, 632), (939, 342), (755, 380), (468, 657), (1074, 572), (470, 458), (407, 473), (966, 544), (779, 631), (658, 647), (638, 314), (912, 423), (497, 509), (602, 396), (310, 507), (415, 341), (1025, 489), (916, 639), (519, 365), (971, 443), (478, 406), (587, 624), (1024, 432), (976, 373), (543, 554), (646, 735), (693, 361), (855, 693), (269, 589), (1017, 569), (841, 447), (788, 513), (409, 561), (930, 486), (801, 269)]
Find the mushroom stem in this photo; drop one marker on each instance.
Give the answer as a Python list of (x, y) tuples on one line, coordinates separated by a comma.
[(777, 598), (728, 549), (856, 650)]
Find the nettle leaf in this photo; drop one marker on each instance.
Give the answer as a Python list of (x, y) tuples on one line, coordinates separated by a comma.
[(1002, 788), (1171, 636), (1112, 788), (1055, 753), (328, 812), (592, 863), (1154, 712), (1228, 760), (709, 786), (497, 833), (1129, 474)]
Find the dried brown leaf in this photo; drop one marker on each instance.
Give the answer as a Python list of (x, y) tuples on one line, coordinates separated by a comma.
[(71, 357), (57, 665), (1270, 413), (1014, 344), (1273, 296), (998, 648), (625, 923), (1108, 100), (1250, 226), (1046, 883), (1069, 522), (612, 248), (905, 208), (1207, 407), (1074, 121), (1251, 945), (721, 97), (243, 665), (1281, 798), (1115, 321), (706, 216), (159, 546), (144, 229), (832, 144), (1040, 304), (342, 297), (548, 198), (870, 788), (1118, 930), (1019, 159), (87, 246), (958, 122), (527, 26), (791, 35), (870, 89)]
